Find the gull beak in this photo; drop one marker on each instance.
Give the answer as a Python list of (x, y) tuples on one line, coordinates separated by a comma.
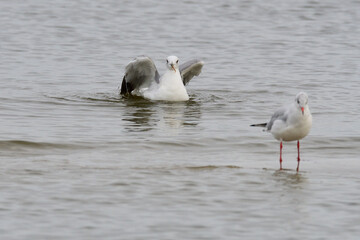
[(172, 66), (302, 110)]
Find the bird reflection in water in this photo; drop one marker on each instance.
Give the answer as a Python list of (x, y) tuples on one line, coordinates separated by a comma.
[(144, 115), (290, 179)]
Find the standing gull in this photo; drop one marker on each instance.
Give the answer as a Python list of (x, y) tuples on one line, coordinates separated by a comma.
[(290, 123), (142, 79)]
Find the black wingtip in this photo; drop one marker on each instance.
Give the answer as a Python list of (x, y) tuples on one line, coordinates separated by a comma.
[(123, 90), (258, 125), (126, 88)]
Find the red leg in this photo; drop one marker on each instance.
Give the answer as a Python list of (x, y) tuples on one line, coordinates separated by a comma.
[(281, 146), (298, 159)]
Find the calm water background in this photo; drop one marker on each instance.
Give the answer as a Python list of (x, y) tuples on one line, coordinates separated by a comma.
[(79, 162)]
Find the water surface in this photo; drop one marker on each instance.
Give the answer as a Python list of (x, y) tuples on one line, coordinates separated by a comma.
[(80, 162)]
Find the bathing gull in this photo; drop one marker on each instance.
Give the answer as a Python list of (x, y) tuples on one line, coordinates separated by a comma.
[(142, 79), (290, 123)]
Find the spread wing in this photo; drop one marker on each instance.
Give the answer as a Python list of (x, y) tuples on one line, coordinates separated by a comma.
[(140, 72), (190, 69)]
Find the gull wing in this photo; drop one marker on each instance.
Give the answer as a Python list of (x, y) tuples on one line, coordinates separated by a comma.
[(190, 69), (278, 115), (140, 72)]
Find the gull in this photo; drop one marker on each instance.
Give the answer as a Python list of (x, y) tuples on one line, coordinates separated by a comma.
[(290, 123), (142, 79)]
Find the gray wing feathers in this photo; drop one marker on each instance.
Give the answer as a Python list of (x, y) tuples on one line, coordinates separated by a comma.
[(278, 115), (141, 72), (190, 69)]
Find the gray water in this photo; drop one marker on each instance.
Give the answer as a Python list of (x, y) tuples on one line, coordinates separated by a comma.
[(77, 161)]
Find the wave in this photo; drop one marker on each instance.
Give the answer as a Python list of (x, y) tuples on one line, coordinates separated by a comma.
[(28, 148), (27, 144), (211, 167)]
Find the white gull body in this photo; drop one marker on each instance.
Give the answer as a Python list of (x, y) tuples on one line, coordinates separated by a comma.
[(142, 79), (290, 123)]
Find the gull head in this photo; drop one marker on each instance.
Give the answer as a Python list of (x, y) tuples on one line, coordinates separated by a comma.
[(301, 101), (172, 63)]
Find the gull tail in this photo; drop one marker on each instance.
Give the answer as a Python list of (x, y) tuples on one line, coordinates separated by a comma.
[(258, 125)]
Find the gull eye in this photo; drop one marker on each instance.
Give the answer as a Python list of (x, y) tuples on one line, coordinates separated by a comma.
[(298, 101), (167, 61), (177, 61)]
